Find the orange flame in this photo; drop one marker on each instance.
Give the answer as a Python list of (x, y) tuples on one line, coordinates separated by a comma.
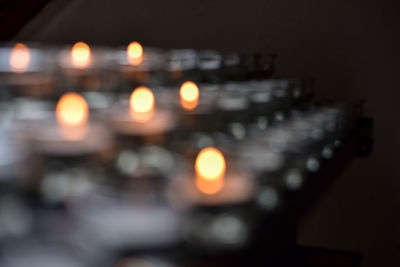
[(142, 104), (135, 53), (189, 94), (72, 110), (81, 55), (19, 58), (210, 170)]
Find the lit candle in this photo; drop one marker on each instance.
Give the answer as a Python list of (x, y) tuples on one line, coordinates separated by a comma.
[(195, 109), (20, 58), (71, 133), (189, 95), (138, 65), (85, 68), (142, 118), (72, 113), (141, 104), (78, 59), (26, 71), (213, 183), (210, 171), (134, 53), (80, 55)]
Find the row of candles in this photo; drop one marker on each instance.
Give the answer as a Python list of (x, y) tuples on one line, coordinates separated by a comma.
[(83, 67), (157, 172), (22, 59)]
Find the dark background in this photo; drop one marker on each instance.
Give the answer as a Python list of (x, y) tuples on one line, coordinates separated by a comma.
[(350, 47)]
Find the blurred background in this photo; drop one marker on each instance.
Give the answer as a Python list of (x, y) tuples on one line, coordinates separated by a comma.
[(350, 47)]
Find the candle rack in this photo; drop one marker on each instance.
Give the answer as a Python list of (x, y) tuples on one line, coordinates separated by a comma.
[(217, 173)]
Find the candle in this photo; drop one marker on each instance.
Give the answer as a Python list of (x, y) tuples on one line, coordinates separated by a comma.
[(79, 67), (189, 95), (210, 171), (142, 104), (134, 53), (213, 183), (72, 113), (142, 118), (26, 71), (80, 55), (134, 63), (141, 162), (217, 194), (195, 108), (139, 65), (71, 133), (20, 58), (84, 68)]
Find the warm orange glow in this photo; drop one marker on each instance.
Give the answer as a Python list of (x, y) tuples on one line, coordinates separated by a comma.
[(189, 105), (72, 110), (209, 187), (189, 93), (80, 55), (210, 170), (135, 53), (142, 104), (19, 58)]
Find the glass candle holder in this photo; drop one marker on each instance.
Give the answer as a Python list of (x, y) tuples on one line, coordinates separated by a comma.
[(137, 66), (87, 69), (27, 70), (215, 195)]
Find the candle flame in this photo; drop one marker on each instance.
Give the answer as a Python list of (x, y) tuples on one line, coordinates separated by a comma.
[(72, 110), (19, 58), (189, 94), (135, 53), (142, 104), (81, 55), (210, 170)]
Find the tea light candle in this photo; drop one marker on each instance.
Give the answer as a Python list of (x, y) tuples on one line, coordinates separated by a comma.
[(88, 69), (142, 118), (71, 133), (137, 64), (196, 107), (212, 185), (189, 95), (79, 57), (20, 58), (26, 70), (135, 53)]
